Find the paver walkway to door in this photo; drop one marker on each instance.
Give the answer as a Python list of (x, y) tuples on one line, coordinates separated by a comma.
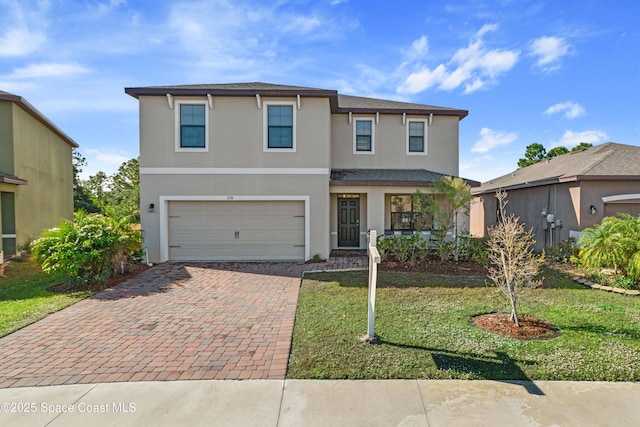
[(172, 322)]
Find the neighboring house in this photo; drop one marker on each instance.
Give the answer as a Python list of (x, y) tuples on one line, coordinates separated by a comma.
[(256, 171), (561, 196), (36, 173)]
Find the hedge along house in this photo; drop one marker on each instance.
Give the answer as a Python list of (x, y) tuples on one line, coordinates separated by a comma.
[(36, 173), (561, 196), (257, 171)]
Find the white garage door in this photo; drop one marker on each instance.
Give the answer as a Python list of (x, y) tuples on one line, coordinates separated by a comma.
[(236, 231)]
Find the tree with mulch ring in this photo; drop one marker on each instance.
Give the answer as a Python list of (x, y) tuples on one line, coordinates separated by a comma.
[(530, 328), (514, 266)]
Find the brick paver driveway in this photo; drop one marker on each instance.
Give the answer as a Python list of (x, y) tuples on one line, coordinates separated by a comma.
[(173, 322)]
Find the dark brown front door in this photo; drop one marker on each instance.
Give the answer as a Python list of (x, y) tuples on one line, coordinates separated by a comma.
[(348, 222)]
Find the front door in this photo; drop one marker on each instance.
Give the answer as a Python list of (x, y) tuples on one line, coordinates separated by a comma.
[(348, 222)]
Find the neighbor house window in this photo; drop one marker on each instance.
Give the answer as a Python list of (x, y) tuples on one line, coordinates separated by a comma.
[(191, 126), (416, 137), (404, 215), (280, 126), (363, 136)]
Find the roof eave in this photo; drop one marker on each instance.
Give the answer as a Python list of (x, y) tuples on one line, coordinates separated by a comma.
[(380, 183), (7, 179), (33, 112), (136, 92)]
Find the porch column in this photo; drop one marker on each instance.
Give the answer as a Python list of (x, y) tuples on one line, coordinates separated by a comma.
[(375, 210)]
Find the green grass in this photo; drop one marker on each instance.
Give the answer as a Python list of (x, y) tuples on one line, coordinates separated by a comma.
[(424, 324), (24, 298)]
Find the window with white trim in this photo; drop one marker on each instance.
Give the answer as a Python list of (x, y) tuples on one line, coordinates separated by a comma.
[(279, 126), (416, 137), (192, 133), (363, 136)]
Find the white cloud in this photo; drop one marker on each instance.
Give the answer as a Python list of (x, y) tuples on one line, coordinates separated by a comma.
[(22, 26), (51, 69), (548, 51), (473, 67), (571, 139), (418, 49), (20, 42), (490, 139), (571, 109)]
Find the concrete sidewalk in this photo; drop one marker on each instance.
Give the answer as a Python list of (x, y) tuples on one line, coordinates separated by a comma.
[(324, 403)]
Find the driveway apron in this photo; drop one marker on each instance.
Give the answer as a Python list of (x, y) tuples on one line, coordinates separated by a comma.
[(175, 321)]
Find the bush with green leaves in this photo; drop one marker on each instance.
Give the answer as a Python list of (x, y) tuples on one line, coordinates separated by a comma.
[(614, 243), (403, 247), (88, 249)]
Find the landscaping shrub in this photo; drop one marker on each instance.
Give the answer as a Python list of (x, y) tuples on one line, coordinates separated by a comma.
[(614, 243), (565, 251), (86, 250)]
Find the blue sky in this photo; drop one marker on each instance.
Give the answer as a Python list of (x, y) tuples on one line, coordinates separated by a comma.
[(552, 72)]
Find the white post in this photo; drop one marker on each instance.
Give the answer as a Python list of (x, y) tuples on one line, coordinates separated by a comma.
[(374, 259)]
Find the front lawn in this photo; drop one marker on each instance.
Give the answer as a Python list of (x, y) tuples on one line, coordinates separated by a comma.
[(24, 298), (424, 322)]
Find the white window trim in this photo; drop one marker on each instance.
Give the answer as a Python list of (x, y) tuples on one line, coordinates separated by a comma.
[(373, 134), (177, 126), (426, 131), (265, 127)]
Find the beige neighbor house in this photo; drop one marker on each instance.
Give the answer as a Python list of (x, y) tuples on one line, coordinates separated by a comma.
[(561, 196), (36, 173), (257, 171)]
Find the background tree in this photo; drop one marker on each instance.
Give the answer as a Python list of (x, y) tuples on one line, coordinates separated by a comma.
[(513, 266), (124, 194), (118, 195), (81, 196), (557, 151), (582, 146), (535, 153)]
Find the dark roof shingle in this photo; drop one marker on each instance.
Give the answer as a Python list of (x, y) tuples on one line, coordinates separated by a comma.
[(339, 103), (378, 177), (606, 161)]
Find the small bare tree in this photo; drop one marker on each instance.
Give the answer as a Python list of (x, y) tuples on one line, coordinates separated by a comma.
[(513, 266)]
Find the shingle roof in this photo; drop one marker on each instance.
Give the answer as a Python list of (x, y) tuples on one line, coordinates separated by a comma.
[(22, 103), (339, 103), (356, 103), (378, 177), (605, 161)]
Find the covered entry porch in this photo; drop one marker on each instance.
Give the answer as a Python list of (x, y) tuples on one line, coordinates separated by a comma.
[(373, 199)]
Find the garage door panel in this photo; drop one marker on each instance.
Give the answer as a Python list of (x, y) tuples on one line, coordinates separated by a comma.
[(230, 231)]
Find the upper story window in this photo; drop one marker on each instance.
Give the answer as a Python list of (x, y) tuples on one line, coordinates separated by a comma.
[(363, 136), (416, 137), (280, 126), (192, 119)]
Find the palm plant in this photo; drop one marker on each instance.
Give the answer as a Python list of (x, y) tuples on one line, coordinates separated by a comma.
[(614, 243)]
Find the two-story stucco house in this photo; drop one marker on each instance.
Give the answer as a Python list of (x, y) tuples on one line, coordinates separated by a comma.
[(36, 173), (257, 171)]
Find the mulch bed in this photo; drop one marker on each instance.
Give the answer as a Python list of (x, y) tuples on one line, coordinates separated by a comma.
[(530, 328), (114, 280), (435, 266)]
